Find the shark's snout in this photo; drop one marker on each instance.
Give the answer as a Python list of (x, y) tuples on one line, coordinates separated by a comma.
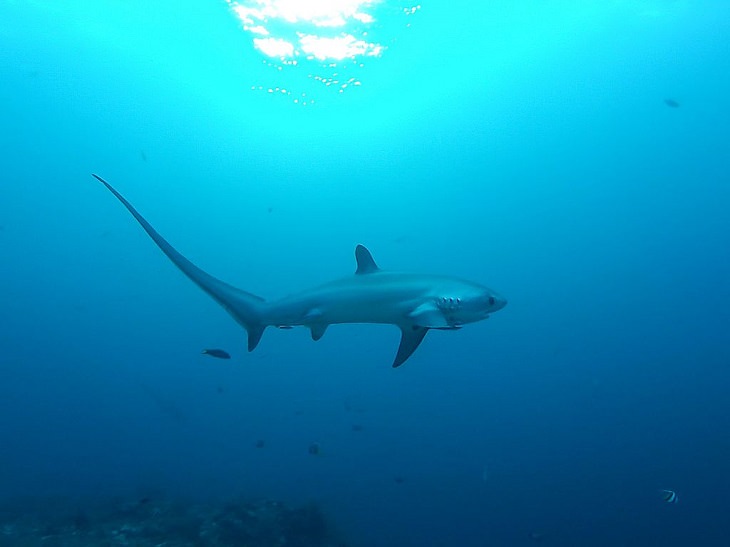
[(499, 302)]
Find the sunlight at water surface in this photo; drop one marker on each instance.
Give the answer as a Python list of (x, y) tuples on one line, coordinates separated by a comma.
[(330, 38)]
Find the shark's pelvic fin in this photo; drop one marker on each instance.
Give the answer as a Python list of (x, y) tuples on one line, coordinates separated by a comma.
[(411, 337), (365, 262), (318, 330), (313, 320)]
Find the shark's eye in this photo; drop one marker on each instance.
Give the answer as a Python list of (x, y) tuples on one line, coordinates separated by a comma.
[(491, 301)]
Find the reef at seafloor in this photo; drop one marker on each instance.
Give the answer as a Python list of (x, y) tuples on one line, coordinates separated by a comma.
[(163, 523)]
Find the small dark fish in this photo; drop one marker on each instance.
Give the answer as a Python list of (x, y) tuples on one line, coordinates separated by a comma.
[(357, 427), (144, 501), (219, 353), (314, 449), (669, 496), (671, 103), (260, 443), (399, 480), (143, 155)]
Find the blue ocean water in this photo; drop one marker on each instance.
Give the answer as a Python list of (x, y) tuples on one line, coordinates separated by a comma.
[(571, 155)]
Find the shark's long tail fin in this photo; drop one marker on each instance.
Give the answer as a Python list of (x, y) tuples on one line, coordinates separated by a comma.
[(246, 308)]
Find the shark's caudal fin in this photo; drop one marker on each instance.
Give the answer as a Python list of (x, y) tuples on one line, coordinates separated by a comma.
[(246, 308)]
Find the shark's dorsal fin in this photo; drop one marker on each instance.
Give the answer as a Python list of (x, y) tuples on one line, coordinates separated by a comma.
[(411, 337), (365, 262)]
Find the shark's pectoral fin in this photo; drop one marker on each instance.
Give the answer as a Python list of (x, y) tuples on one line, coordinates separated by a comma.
[(411, 337), (318, 330), (429, 315)]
